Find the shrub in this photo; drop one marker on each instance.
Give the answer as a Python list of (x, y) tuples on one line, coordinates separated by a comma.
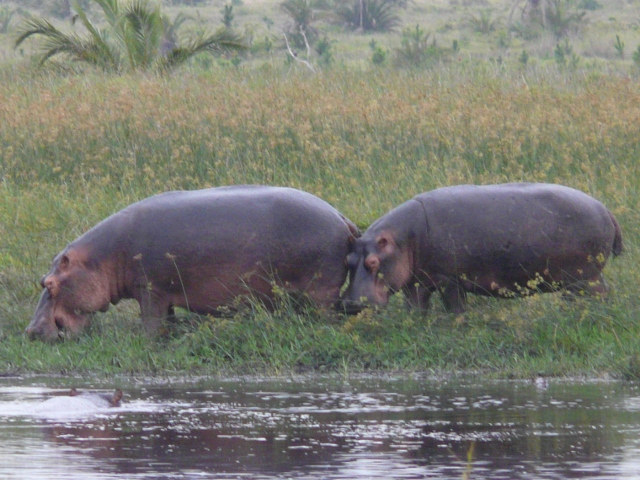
[(379, 55), (558, 16), (323, 49), (636, 56), (483, 23), (565, 56), (589, 5), (417, 50), (370, 15)]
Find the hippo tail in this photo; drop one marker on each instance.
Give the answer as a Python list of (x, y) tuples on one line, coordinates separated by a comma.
[(618, 247)]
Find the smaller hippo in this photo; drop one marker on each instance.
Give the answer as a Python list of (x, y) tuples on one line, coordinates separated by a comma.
[(496, 240), (77, 404)]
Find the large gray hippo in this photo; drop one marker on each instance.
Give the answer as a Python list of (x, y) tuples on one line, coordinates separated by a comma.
[(496, 240), (199, 250)]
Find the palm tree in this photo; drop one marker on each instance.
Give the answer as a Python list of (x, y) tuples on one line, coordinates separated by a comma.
[(137, 36), (303, 14), (370, 15)]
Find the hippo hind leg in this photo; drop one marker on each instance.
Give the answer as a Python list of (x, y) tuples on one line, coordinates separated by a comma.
[(417, 296)]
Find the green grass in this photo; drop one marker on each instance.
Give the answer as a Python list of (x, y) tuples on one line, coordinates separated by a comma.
[(76, 146)]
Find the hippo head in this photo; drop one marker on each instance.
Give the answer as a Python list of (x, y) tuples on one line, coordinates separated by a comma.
[(73, 289), (378, 266), (100, 399)]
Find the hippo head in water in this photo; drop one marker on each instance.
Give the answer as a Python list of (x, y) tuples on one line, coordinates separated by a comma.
[(100, 399), (73, 289)]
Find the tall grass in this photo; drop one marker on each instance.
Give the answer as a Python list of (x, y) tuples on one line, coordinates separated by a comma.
[(74, 149)]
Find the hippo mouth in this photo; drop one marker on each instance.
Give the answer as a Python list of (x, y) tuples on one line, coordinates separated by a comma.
[(62, 330), (350, 307)]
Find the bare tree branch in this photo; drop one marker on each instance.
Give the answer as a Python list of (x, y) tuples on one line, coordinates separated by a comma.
[(294, 56)]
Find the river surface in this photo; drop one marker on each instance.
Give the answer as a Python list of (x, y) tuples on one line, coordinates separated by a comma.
[(316, 427)]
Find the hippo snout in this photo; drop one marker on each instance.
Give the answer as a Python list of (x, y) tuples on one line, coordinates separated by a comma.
[(43, 331)]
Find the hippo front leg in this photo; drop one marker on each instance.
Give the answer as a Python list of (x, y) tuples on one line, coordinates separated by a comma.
[(417, 296), (454, 297), (155, 309)]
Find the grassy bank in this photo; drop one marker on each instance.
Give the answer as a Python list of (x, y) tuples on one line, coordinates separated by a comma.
[(74, 149)]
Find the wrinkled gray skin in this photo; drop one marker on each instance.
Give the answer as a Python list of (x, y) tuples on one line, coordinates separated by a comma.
[(496, 240), (197, 250), (101, 400)]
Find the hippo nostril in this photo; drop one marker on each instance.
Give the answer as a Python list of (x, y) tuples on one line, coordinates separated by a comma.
[(31, 332)]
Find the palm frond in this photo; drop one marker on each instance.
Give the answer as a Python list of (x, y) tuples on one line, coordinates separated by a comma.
[(144, 33), (98, 36), (111, 10), (57, 42), (221, 41)]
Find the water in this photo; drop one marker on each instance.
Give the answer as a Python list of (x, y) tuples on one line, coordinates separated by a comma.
[(406, 427)]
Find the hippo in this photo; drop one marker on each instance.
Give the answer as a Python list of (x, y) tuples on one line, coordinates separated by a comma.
[(76, 404), (505, 240), (200, 250)]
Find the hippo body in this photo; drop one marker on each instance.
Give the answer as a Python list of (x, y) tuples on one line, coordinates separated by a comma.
[(199, 250), (77, 404), (497, 240)]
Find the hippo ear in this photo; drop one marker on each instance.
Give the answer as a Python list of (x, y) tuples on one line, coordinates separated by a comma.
[(64, 262), (117, 396)]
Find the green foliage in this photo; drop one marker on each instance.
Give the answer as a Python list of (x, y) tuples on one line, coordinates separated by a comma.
[(324, 50), (137, 37), (227, 16), (562, 19), (523, 58), (565, 56), (416, 50), (365, 141), (379, 55), (187, 3), (589, 5), (636, 56), (268, 21), (484, 22), (370, 15), (619, 46), (6, 14), (262, 45), (558, 16)]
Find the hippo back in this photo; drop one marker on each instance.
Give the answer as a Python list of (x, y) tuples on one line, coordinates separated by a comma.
[(512, 225)]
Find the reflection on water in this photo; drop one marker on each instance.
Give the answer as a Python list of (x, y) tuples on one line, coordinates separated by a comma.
[(324, 427)]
